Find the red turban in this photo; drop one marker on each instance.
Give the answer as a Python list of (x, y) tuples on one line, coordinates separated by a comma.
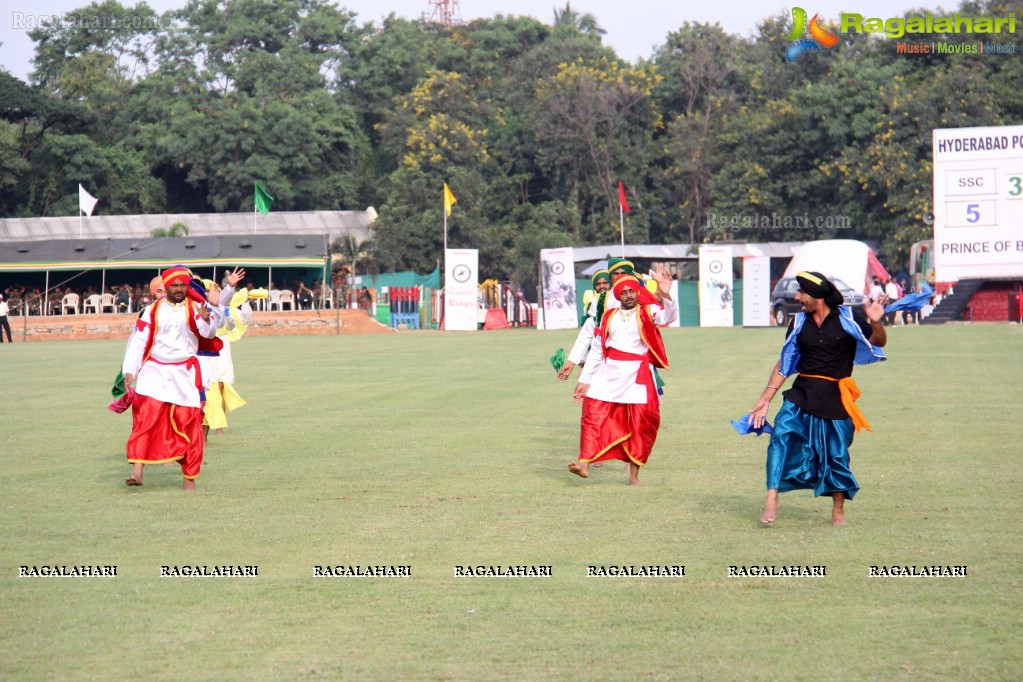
[(643, 295), (178, 273)]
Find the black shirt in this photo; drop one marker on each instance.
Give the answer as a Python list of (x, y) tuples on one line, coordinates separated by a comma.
[(829, 351)]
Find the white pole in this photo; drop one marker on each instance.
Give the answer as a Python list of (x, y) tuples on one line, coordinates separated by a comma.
[(621, 217), (46, 296), (445, 230), (542, 301)]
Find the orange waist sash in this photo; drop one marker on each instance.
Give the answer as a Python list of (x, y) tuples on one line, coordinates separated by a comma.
[(849, 391)]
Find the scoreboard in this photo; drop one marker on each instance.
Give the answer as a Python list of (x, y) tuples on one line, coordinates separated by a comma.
[(978, 203)]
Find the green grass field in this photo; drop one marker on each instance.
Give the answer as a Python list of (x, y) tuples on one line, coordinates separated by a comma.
[(435, 450)]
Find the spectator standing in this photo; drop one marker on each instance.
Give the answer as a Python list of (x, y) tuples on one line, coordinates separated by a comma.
[(891, 290), (4, 324), (876, 291)]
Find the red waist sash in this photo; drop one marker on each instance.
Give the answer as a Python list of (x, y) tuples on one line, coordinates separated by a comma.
[(190, 363), (644, 376)]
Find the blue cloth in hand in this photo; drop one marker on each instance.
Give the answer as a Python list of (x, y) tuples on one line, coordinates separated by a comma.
[(743, 427)]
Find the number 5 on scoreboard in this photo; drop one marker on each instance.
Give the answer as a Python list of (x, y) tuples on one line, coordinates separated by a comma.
[(971, 214)]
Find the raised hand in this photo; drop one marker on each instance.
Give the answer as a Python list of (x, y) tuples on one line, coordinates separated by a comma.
[(875, 311), (663, 278), (234, 277)]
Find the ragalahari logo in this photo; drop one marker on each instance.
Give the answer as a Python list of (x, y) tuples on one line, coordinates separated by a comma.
[(818, 36)]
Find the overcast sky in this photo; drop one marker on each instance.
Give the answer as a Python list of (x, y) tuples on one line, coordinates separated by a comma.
[(633, 27)]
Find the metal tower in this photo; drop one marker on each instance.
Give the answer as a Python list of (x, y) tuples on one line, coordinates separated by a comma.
[(442, 12)]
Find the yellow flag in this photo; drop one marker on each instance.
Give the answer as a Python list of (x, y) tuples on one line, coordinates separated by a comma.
[(449, 199)]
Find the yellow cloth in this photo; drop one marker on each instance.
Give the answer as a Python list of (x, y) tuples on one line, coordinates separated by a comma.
[(220, 399), (239, 326), (233, 335)]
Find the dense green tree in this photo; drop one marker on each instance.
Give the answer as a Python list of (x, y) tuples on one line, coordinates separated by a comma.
[(597, 119), (695, 64), (269, 48), (107, 35), (384, 65), (256, 104)]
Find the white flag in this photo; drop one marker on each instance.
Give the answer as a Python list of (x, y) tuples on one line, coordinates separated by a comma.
[(86, 202)]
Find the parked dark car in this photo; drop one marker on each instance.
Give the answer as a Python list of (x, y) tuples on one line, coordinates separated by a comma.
[(783, 299)]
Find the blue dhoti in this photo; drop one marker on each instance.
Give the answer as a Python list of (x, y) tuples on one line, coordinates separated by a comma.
[(808, 452)]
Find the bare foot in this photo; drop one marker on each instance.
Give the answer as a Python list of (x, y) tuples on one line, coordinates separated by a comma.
[(189, 485), (136, 475), (219, 432), (580, 470), (838, 509), (770, 508), (633, 474)]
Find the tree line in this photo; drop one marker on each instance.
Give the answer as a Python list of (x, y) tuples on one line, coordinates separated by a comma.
[(532, 125)]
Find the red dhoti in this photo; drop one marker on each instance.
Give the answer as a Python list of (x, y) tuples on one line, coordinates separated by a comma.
[(618, 431), (165, 432)]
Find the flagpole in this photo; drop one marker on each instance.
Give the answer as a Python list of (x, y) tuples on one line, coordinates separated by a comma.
[(445, 229), (255, 217), (621, 217)]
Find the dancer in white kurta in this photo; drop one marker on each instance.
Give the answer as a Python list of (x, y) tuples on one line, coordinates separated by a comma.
[(161, 363), (618, 386)]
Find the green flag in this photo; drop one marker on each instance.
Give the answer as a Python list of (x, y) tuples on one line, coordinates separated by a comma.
[(558, 359), (118, 390), (263, 200)]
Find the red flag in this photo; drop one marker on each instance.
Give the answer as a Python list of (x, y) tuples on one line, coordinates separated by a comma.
[(621, 197)]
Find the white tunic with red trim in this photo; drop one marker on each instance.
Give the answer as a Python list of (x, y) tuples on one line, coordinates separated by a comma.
[(169, 375), (614, 381)]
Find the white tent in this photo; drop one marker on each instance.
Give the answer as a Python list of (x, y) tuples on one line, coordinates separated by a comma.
[(849, 260)]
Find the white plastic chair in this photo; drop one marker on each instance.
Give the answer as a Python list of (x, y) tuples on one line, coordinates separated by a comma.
[(328, 298), (107, 301), (69, 301), (91, 303), (273, 299), (287, 298)]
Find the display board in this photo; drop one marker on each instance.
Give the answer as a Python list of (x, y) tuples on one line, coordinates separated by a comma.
[(978, 203)]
